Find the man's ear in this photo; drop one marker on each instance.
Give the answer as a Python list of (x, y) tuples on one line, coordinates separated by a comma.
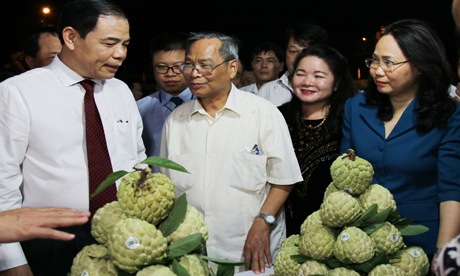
[(30, 61), (233, 66), (69, 35)]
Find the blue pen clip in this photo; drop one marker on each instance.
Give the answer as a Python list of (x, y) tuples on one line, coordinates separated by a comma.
[(255, 150)]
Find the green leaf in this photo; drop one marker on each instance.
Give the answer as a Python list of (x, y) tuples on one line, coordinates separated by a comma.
[(221, 262), (393, 217), (371, 228), (333, 263), (369, 265), (175, 217), (184, 246), (380, 217), (163, 162), (371, 211), (403, 223), (178, 269), (225, 270), (300, 258), (413, 230), (109, 181)]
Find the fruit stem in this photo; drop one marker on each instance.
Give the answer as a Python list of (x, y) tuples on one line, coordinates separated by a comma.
[(350, 154), (144, 174)]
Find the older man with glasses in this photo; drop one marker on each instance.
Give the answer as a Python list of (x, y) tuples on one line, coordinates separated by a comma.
[(237, 149), (168, 53)]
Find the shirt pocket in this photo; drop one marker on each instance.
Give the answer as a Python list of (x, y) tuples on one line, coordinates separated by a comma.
[(126, 143), (248, 172), (185, 180)]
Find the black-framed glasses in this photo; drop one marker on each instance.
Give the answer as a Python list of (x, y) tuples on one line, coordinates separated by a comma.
[(385, 64), (163, 69), (203, 69)]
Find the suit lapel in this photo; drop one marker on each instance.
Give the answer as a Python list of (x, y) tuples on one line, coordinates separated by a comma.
[(368, 114), (406, 122)]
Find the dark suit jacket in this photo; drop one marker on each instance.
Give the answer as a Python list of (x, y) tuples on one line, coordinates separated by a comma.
[(420, 169)]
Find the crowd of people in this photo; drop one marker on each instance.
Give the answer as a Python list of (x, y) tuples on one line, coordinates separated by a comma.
[(258, 145)]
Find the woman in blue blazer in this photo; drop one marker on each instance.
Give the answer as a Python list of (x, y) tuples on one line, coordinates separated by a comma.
[(408, 128)]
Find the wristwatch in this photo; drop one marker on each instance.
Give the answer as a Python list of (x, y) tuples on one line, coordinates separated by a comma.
[(269, 218)]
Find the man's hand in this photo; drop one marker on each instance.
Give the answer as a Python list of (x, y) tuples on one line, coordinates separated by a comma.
[(257, 246), (31, 223), (22, 270)]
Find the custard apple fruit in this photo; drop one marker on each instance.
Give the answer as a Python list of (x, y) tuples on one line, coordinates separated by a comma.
[(156, 270), (193, 223), (329, 190), (291, 241), (134, 243), (312, 268), (386, 270), (150, 199), (377, 194), (342, 271), (351, 173), (387, 239), (284, 265), (413, 262), (194, 265), (339, 209), (314, 218), (92, 260), (355, 245), (317, 242), (104, 219)]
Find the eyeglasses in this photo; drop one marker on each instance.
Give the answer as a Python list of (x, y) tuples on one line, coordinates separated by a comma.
[(162, 69), (203, 69), (386, 65)]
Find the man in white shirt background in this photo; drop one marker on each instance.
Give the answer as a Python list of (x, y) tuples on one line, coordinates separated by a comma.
[(63, 128), (267, 63), (41, 46), (297, 37), (238, 151), (168, 53)]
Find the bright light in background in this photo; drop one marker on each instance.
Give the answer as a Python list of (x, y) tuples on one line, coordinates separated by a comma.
[(46, 10), (364, 39)]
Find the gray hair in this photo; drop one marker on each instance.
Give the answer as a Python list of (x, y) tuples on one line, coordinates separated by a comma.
[(229, 48)]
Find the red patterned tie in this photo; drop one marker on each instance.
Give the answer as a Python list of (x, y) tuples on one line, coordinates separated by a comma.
[(99, 165)]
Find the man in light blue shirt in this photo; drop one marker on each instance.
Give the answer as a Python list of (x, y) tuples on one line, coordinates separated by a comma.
[(168, 53)]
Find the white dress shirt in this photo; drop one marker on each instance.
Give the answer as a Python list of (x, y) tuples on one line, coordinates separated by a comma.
[(43, 144), (278, 91), (227, 184), (250, 88)]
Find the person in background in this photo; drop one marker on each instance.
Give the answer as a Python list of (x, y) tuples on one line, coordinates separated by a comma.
[(168, 54), (237, 79), (136, 89), (247, 77), (297, 37), (322, 83), (64, 129), (237, 149), (406, 125), (267, 63), (41, 46)]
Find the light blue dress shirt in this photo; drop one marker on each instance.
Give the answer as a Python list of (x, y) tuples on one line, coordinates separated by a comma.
[(154, 110)]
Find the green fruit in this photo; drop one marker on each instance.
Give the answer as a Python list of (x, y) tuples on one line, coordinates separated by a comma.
[(194, 265), (92, 260), (377, 194), (193, 223), (312, 268), (387, 239), (284, 265), (313, 218), (329, 190), (355, 245), (342, 271), (156, 270), (104, 219), (386, 270), (339, 209), (291, 241), (317, 242), (413, 262), (147, 196), (134, 243), (351, 173)]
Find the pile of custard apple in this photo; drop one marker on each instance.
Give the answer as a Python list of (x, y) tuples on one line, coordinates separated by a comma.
[(356, 231), (146, 231)]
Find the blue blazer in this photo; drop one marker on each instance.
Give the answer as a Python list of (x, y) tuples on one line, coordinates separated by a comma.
[(420, 169)]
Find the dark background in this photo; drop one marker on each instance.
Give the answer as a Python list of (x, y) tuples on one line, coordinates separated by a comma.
[(346, 22)]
